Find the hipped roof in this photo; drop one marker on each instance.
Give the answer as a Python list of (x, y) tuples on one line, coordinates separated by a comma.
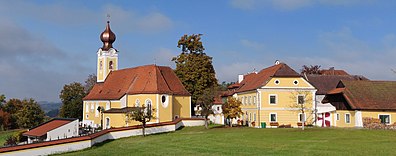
[(149, 79), (253, 81)]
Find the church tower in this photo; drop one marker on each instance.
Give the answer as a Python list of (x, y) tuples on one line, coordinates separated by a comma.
[(107, 55)]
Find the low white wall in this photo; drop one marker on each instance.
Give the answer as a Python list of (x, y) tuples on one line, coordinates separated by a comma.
[(68, 147), (47, 150)]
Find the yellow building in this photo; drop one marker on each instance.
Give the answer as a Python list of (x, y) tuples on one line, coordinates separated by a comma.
[(120, 91), (275, 96), (356, 100)]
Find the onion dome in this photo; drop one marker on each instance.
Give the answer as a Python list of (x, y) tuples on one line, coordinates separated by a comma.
[(107, 37)]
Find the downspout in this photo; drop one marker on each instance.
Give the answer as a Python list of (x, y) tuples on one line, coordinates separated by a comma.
[(259, 107)]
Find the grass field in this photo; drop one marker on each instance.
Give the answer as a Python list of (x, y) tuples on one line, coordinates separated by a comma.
[(252, 141), (5, 134)]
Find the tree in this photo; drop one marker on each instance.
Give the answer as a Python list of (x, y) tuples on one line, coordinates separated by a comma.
[(224, 85), (312, 69), (193, 67), (300, 101), (72, 100), (12, 106), (89, 83), (141, 114), (232, 109), (30, 115), (2, 100), (205, 101)]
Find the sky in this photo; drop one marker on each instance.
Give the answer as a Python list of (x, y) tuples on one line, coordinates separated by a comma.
[(47, 44)]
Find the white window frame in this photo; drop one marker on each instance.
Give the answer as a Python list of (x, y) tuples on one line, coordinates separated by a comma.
[(390, 119), (86, 108), (349, 114), (276, 117), (96, 110), (108, 122), (299, 117), (250, 117), (295, 80), (254, 116), (269, 99), (276, 80), (303, 99), (338, 116), (245, 100), (107, 106), (137, 102), (92, 107), (254, 99), (249, 100)]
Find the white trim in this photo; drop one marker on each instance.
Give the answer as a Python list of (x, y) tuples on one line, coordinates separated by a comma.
[(137, 102), (157, 114), (390, 118), (108, 123), (249, 108), (269, 99), (295, 80), (282, 108), (303, 99), (337, 116), (266, 87), (299, 119), (276, 80), (345, 118), (276, 117)]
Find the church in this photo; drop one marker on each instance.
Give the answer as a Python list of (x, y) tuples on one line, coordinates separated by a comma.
[(119, 91)]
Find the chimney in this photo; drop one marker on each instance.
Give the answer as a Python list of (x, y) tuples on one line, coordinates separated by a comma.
[(240, 78)]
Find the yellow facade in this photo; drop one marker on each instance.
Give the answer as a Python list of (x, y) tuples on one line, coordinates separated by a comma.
[(257, 105), (340, 117), (180, 109), (175, 107)]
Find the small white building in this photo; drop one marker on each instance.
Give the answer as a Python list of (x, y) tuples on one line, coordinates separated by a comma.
[(58, 128)]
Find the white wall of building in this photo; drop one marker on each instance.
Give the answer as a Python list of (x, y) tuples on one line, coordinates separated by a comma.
[(66, 131)]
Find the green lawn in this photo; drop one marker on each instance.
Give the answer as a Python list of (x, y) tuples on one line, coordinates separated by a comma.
[(252, 141), (5, 134)]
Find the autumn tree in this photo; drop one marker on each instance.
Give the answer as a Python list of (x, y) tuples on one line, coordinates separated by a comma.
[(141, 114), (72, 100), (4, 116), (2, 100), (232, 109), (30, 114), (12, 106), (301, 101), (205, 101), (312, 69), (193, 67)]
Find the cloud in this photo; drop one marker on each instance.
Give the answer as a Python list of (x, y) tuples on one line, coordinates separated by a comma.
[(69, 14), (164, 56), (31, 67)]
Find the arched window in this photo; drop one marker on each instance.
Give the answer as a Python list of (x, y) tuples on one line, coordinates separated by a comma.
[(148, 105), (111, 65), (107, 123)]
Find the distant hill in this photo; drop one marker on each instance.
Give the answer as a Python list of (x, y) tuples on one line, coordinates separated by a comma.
[(51, 109)]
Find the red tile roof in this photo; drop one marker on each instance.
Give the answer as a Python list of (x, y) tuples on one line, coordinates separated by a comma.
[(47, 126), (253, 81), (325, 83), (369, 95), (149, 79)]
